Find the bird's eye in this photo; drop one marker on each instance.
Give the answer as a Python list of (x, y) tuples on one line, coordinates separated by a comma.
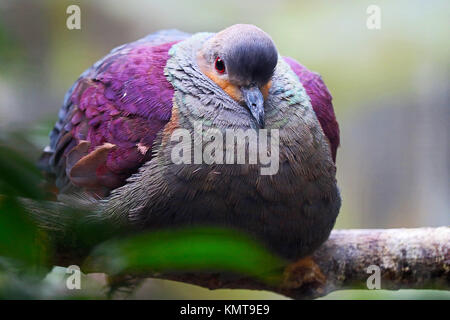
[(220, 65)]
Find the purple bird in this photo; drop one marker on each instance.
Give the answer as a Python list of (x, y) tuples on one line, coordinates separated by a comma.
[(114, 138)]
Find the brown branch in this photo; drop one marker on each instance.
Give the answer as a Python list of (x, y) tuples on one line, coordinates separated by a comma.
[(407, 258)]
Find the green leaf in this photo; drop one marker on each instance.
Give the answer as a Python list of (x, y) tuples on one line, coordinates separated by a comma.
[(194, 249), (18, 176), (20, 239)]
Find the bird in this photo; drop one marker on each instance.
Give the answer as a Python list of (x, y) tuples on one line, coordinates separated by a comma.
[(112, 140)]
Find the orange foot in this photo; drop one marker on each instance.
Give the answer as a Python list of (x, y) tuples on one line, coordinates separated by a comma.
[(303, 272)]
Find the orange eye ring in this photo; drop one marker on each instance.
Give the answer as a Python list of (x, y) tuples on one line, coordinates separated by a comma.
[(219, 65)]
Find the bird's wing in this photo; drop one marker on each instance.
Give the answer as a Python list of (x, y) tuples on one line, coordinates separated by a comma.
[(320, 101), (111, 116)]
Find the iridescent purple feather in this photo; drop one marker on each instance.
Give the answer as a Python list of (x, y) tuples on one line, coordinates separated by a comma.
[(125, 100)]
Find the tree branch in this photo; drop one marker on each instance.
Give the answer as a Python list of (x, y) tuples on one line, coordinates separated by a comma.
[(407, 258)]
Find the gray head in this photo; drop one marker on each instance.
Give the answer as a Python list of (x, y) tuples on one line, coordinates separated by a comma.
[(241, 60)]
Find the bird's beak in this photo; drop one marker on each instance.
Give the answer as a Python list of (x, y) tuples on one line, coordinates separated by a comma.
[(255, 102)]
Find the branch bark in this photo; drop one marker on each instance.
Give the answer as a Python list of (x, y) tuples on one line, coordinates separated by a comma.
[(407, 258)]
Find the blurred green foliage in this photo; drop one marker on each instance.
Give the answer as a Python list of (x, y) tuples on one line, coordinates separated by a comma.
[(34, 231), (207, 249), (20, 239), (18, 175)]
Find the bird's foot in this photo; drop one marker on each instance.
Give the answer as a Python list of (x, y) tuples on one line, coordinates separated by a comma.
[(303, 273)]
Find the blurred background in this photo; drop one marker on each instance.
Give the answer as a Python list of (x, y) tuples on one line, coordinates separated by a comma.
[(390, 88)]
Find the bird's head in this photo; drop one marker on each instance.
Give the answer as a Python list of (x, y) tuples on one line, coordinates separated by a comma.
[(241, 60)]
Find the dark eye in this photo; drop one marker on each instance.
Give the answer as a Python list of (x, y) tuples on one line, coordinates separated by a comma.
[(220, 65)]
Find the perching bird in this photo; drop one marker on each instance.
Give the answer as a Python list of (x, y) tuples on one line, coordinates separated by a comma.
[(113, 137)]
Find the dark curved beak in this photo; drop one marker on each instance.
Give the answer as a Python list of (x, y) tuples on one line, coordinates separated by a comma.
[(255, 102)]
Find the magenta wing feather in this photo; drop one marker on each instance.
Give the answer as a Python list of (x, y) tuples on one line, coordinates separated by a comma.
[(111, 116), (321, 102)]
